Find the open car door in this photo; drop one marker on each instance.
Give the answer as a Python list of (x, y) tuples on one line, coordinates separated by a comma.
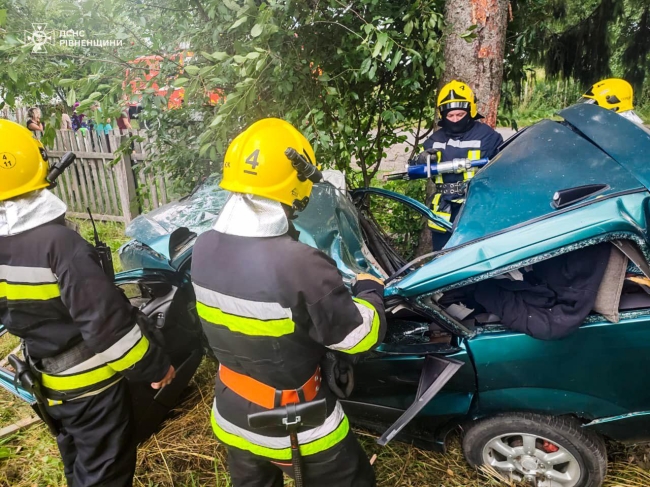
[(421, 377)]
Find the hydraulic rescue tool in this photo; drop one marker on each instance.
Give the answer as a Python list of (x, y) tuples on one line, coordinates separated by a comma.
[(428, 169), (292, 416)]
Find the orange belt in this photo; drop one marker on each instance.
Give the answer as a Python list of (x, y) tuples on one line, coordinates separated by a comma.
[(267, 396)]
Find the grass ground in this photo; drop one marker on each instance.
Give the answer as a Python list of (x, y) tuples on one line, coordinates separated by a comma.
[(184, 453)]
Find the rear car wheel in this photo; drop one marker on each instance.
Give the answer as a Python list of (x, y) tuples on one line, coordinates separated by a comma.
[(547, 451)]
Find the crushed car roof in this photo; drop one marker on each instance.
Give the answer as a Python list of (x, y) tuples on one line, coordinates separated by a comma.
[(509, 215), (591, 146)]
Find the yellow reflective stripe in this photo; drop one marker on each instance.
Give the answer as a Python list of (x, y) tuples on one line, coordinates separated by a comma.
[(26, 292), (77, 381), (246, 326), (316, 446), (370, 340), (447, 216), (473, 155), (132, 356)]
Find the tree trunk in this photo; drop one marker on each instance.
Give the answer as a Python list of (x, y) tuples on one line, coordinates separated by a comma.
[(478, 63)]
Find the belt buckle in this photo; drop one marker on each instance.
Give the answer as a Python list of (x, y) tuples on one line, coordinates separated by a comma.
[(459, 186), (295, 422)]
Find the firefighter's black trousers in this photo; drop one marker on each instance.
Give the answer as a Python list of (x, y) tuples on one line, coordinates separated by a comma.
[(343, 465), (96, 440)]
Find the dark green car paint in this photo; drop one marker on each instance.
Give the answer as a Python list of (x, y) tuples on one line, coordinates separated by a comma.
[(597, 374)]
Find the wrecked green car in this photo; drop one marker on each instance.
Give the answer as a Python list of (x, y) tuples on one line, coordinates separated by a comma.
[(536, 410)]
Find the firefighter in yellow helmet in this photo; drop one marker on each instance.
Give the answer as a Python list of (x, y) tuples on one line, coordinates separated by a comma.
[(614, 94), (271, 308), (461, 136), (79, 332)]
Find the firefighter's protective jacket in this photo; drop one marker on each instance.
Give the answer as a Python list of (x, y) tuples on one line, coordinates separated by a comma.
[(271, 307), (478, 142), (55, 296)]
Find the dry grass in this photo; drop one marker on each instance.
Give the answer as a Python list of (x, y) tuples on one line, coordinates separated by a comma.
[(185, 454)]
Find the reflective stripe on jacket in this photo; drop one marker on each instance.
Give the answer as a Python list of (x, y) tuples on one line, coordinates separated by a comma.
[(270, 308), (55, 296)]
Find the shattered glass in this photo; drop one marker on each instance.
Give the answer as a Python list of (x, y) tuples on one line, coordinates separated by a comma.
[(329, 223), (197, 211)]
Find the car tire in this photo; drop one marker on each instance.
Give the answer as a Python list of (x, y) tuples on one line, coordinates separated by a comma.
[(506, 442)]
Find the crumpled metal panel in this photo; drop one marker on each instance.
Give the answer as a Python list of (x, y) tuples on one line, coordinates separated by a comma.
[(330, 223), (623, 140), (425, 300), (623, 215), (518, 185)]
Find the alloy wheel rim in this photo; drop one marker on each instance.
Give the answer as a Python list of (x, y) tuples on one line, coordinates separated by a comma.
[(525, 456)]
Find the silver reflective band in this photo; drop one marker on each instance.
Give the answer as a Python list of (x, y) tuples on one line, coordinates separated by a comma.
[(465, 144), (280, 442), (461, 144), (31, 275), (114, 352), (241, 307), (359, 333)]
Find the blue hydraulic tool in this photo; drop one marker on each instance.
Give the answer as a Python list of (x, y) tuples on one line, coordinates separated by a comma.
[(427, 170)]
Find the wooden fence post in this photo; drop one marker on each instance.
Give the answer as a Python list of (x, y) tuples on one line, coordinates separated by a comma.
[(126, 185)]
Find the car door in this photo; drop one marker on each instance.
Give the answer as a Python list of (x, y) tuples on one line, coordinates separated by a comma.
[(421, 377), (592, 373)]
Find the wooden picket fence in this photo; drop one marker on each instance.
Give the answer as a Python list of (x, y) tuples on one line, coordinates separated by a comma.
[(114, 187)]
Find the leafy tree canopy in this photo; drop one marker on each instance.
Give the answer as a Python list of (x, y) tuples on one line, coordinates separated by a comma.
[(351, 76)]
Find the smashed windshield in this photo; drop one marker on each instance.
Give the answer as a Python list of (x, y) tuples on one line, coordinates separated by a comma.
[(197, 212), (329, 223)]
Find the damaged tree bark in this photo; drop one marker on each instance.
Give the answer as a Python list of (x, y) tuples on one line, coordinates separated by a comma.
[(478, 63)]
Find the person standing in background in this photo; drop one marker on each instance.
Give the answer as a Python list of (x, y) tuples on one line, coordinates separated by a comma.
[(34, 120)]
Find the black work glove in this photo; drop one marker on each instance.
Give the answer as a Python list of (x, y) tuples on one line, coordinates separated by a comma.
[(339, 372), (422, 156)]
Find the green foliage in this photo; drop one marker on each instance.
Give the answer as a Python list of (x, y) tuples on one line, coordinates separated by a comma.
[(351, 77), (541, 98), (581, 40), (402, 224)]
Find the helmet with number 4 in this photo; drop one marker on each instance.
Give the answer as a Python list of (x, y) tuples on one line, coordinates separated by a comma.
[(256, 163), (23, 161), (457, 95)]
